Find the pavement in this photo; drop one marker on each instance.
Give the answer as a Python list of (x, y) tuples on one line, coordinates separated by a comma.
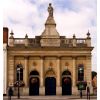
[(49, 98)]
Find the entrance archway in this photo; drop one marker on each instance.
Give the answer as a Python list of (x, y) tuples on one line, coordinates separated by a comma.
[(34, 83), (50, 83), (66, 83)]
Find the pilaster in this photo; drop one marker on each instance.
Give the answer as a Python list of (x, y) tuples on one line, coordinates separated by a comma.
[(74, 88), (88, 73), (88, 68), (26, 72), (74, 72), (58, 71), (11, 69), (41, 76), (42, 88)]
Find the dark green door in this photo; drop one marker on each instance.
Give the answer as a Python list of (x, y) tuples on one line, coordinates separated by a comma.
[(50, 86)]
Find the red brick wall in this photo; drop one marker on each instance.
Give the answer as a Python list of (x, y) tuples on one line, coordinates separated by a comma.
[(5, 35)]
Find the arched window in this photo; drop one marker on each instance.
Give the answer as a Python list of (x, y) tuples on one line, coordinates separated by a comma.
[(66, 72), (19, 71), (81, 72), (34, 72)]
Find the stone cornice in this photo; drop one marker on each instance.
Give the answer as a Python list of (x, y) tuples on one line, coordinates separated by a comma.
[(49, 49), (49, 53)]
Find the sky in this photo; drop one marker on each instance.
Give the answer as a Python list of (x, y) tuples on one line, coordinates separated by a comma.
[(71, 16)]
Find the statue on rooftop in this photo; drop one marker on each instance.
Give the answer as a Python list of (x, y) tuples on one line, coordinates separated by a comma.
[(50, 10)]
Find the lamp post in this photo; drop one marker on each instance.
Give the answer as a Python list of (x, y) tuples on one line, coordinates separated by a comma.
[(18, 70)]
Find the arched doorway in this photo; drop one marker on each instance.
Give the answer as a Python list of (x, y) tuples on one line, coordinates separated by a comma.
[(66, 83), (34, 83), (50, 83)]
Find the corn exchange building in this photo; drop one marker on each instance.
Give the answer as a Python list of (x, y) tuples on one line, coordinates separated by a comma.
[(49, 64)]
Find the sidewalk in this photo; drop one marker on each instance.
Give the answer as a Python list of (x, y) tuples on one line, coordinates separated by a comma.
[(50, 98)]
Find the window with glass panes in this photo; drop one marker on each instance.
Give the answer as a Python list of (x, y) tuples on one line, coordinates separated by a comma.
[(81, 72), (19, 73)]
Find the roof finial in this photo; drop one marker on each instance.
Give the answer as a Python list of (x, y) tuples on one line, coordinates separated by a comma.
[(26, 36), (12, 34), (74, 36), (50, 10), (88, 34)]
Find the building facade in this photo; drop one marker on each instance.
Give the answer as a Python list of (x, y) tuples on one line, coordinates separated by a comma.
[(49, 64), (5, 44)]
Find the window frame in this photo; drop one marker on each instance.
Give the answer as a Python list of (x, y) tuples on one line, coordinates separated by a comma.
[(21, 72), (80, 72)]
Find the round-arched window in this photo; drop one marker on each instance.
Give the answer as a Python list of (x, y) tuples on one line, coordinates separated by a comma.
[(19, 72), (80, 72)]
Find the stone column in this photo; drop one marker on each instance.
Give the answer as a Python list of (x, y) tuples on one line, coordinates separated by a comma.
[(25, 76), (58, 71), (11, 69), (5, 72), (41, 76), (74, 88), (88, 71), (26, 72), (42, 88), (58, 89), (74, 72), (88, 68)]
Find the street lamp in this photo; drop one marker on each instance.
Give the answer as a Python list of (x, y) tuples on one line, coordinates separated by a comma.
[(18, 71)]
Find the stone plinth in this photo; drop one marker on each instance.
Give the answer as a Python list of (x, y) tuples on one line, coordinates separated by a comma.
[(42, 91)]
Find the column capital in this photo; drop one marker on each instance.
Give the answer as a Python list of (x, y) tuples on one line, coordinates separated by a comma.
[(58, 57), (74, 57), (26, 57), (42, 57)]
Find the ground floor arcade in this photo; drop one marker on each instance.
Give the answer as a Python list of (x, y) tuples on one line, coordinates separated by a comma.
[(49, 75), (50, 85)]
